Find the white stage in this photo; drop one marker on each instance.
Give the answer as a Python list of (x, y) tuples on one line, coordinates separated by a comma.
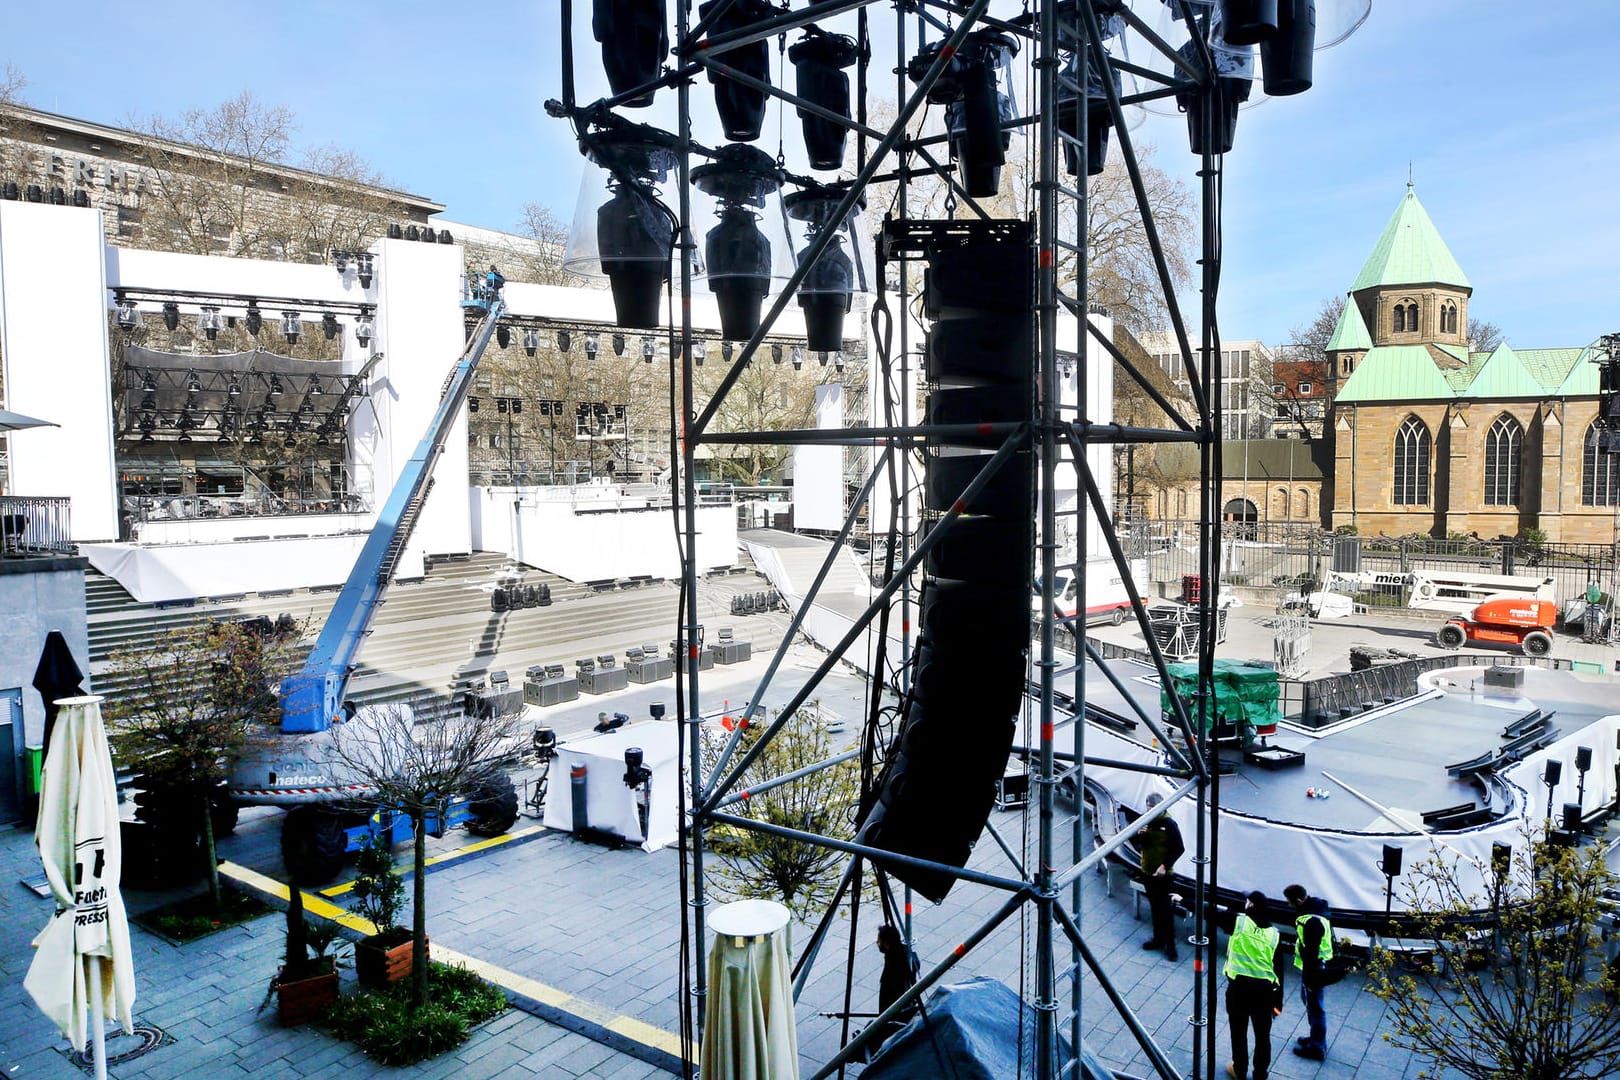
[(156, 574)]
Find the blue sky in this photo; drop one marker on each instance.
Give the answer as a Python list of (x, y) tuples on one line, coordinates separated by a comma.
[(1511, 123)]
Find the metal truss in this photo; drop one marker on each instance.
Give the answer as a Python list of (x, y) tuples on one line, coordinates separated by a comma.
[(1064, 39)]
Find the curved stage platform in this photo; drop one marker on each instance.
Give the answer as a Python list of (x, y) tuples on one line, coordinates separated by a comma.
[(1447, 773)]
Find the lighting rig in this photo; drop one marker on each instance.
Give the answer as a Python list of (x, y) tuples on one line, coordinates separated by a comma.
[(995, 422)]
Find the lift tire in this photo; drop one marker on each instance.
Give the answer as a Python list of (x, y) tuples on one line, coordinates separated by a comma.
[(1118, 617), (1536, 643), (494, 807), (1450, 636), (312, 845)]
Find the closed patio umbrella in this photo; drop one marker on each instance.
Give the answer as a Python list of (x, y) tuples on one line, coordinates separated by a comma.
[(56, 677), (15, 421), (82, 964)]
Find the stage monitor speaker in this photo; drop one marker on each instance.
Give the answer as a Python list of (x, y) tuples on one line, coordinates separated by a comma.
[(1583, 758), (1554, 773), (1391, 865), (1572, 817), (941, 776)]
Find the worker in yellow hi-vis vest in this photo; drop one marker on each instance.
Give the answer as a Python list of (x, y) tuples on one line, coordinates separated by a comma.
[(1254, 993)]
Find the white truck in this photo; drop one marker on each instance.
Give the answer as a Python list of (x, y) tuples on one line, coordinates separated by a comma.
[(1106, 598), (1456, 592)]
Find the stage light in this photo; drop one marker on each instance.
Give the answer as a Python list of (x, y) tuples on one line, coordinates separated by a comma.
[(737, 252), (363, 327), (593, 345), (193, 384), (445, 237), (564, 340), (741, 108), (822, 356), (329, 325), (828, 290), (725, 351), (412, 233), (1216, 107), (171, 316), (254, 320), (340, 261), (148, 384), (395, 232), (503, 335), (700, 352), (127, 314), (472, 404), (517, 406), (531, 340), (796, 354), (211, 322), (274, 390), (363, 265), (838, 359), (649, 348), (776, 352), (621, 230), (290, 326), (149, 401), (634, 36), (315, 387), (289, 442), (976, 90), (1248, 22), (618, 344), (819, 59)]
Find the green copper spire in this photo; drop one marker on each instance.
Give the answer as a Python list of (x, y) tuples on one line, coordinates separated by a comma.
[(1351, 333), (1410, 252)]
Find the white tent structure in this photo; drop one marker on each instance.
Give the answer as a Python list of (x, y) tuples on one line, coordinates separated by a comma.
[(611, 804)]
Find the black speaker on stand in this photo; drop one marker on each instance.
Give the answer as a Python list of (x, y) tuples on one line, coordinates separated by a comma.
[(938, 785)]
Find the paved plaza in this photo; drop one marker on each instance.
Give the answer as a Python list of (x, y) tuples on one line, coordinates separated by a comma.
[(587, 942)]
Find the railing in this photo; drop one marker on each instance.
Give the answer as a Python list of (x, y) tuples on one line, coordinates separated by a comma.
[(34, 526), (140, 509)]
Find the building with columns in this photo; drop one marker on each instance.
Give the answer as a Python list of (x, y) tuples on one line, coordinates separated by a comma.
[(1433, 438)]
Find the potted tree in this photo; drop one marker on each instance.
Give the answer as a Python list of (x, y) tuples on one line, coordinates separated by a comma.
[(307, 984), (379, 894)]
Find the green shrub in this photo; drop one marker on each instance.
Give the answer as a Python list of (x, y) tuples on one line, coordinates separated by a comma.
[(381, 1022)]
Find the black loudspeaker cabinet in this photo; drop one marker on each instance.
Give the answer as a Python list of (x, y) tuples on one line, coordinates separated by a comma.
[(944, 772)]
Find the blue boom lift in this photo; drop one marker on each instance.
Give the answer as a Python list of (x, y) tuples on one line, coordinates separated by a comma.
[(330, 813)]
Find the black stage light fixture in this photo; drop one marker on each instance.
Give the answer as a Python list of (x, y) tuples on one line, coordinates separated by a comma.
[(235, 387), (171, 316), (976, 90), (127, 314), (737, 252), (700, 351), (9, 191), (1099, 122), (828, 290), (149, 401), (531, 340), (741, 108), (634, 231), (329, 326), (211, 322), (819, 60), (649, 348), (1212, 110), (1248, 22), (634, 35), (593, 345), (564, 340), (445, 237), (618, 344), (726, 351), (796, 354), (364, 265), (472, 404), (274, 390), (254, 320), (413, 233), (1286, 56), (290, 326), (340, 261), (932, 800), (363, 327), (148, 384), (776, 352), (395, 232), (503, 335), (500, 406), (193, 384), (517, 406)]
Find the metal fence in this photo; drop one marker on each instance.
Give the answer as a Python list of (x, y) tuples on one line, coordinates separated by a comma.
[(35, 525), (1283, 556)]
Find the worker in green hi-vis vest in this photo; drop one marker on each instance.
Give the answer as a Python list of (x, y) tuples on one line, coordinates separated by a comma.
[(1254, 990)]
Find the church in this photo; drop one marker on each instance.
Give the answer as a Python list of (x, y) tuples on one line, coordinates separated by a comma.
[(1432, 438)]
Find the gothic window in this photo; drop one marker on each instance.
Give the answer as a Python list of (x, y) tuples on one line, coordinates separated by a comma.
[(1600, 472), (1412, 464), (1504, 442)]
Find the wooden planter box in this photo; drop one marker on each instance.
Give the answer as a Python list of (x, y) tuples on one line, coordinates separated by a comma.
[(383, 959), (301, 1000)]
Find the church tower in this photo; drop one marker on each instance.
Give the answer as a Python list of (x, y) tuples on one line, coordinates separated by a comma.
[(1411, 290)]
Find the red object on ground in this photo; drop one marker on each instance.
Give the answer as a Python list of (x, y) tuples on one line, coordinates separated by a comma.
[(1510, 620)]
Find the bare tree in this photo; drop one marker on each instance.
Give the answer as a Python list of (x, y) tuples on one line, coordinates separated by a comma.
[(1483, 336), (766, 397), (195, 697), (1532, 999), (416, 769), (12, 83), (1303, 358)]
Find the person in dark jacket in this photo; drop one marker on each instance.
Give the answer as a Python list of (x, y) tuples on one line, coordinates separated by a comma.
[(1313, 948), (1254, 990), (493, 283), (1161, 845), (899, 974)]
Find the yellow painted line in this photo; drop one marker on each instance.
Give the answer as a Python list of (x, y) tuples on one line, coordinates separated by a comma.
[(458, 853), (625, 1026)]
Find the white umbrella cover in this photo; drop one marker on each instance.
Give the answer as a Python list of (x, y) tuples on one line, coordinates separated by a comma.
[(749, 1030), (84, 949)]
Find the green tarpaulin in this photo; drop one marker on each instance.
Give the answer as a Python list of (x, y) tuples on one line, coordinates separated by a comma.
[(1245, 694)]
